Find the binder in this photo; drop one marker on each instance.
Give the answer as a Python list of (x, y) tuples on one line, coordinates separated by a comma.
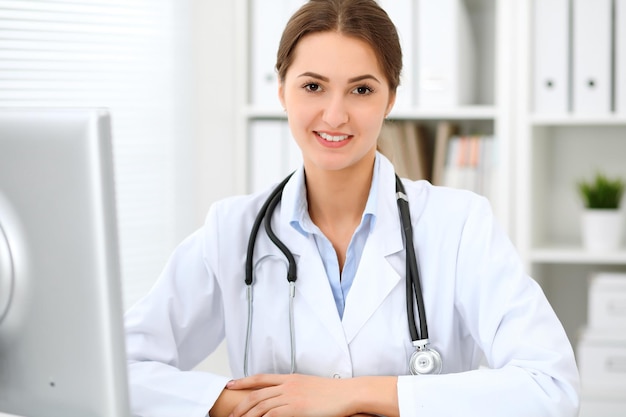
[(268, 20), (268, 153), (406, 145), (445, 45), (620, 57), (591, 48), (293, 154), (403, 15), (550, 46), (445, 130)]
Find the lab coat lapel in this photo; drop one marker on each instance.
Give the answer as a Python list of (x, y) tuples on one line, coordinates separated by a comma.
[(312, 286), (314, 289), (376, 277)]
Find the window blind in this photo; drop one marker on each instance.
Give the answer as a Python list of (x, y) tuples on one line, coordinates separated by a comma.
[(131, 57)]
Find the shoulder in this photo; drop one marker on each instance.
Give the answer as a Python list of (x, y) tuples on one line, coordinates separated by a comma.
[(447, 203), (226, 231), (242, 208)]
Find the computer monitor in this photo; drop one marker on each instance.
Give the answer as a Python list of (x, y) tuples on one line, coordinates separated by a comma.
[(62, 351)]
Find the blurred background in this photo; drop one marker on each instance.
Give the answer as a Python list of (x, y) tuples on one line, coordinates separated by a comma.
[(166, 72), (518, 101)]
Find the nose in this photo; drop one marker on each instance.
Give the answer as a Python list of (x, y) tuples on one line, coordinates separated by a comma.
[(336, 111)]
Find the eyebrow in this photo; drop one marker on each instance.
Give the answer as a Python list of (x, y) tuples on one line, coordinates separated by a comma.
[(351, 80)]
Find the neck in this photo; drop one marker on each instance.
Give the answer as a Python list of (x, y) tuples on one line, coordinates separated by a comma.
[(339, 197)]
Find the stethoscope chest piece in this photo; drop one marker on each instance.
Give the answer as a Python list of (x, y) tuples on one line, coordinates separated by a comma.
[(425, 361)]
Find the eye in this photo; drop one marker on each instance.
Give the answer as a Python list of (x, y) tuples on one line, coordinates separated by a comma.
[(363, 90), (313, 87)]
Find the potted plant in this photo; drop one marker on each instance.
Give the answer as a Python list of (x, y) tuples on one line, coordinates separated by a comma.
[(602, 220)]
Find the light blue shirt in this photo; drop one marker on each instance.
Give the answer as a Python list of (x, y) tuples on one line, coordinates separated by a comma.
[(340, 281)]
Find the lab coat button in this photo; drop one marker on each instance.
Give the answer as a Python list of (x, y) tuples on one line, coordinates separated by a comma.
[(336, 376)]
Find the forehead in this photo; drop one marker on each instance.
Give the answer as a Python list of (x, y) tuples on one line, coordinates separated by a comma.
[(334, 55)]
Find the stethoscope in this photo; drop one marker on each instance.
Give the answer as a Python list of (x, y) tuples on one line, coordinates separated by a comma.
[(424, 360)]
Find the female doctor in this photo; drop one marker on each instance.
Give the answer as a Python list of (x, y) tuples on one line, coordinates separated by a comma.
[(362, 330)]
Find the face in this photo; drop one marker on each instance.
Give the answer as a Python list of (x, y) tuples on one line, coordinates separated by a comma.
[(336, 98)]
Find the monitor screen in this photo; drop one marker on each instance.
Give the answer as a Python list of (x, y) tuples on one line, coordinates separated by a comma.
[(62, 350)]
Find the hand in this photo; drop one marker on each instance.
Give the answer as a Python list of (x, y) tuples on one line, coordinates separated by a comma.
[(290, 395), (226, 402)]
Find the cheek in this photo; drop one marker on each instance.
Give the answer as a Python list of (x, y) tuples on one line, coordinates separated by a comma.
[(371, 121), (300, 123), (300, 114)]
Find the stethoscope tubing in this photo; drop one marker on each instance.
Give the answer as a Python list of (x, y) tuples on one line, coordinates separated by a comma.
[(413, 286), (268, 207), (257, 224)]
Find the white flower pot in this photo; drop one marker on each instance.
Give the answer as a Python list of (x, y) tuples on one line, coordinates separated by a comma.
[(602, 229)]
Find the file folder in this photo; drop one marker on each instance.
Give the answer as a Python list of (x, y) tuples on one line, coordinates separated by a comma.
[(591, 48), (620, 57), (550, 45), (445, 54)]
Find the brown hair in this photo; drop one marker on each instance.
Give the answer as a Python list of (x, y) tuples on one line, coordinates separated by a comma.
[(362, 19)]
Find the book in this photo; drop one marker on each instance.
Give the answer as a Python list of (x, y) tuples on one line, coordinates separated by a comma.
[(445, 130), (407, 146)]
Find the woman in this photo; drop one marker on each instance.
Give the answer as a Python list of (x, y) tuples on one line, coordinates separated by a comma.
[(339, 64)]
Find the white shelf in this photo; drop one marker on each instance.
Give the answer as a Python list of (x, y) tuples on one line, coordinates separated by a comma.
[(577, 120), (252, 112), (576, 255), (458, 113)]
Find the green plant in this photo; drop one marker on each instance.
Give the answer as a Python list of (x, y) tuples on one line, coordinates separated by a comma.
[(601, 192)]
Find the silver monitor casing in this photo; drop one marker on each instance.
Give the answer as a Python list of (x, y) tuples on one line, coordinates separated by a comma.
[(62, 351)]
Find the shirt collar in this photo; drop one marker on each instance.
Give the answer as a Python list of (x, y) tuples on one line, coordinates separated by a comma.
[(300, 219)]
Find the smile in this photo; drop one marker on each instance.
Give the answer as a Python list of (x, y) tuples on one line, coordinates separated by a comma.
[(332, 138)]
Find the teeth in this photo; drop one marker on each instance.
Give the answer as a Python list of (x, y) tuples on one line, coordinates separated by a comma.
[(331, 138)]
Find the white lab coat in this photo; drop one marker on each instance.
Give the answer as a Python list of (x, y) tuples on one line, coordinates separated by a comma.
[(478, 299)]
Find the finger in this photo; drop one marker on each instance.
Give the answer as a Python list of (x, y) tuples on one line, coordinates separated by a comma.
[(257, 381), (258, 403), (273, 405)]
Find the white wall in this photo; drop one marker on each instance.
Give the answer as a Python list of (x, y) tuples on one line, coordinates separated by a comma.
[(214, 49), (215, 73)]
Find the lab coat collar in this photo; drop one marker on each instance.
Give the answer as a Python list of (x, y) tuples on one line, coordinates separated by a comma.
[(387, 209), (375, 277)]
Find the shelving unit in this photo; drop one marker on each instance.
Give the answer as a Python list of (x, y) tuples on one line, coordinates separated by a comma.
[(553, 153), (490, 113)]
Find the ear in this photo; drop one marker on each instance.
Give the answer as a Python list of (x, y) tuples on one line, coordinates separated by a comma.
[(281, 94), (392, 101)]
